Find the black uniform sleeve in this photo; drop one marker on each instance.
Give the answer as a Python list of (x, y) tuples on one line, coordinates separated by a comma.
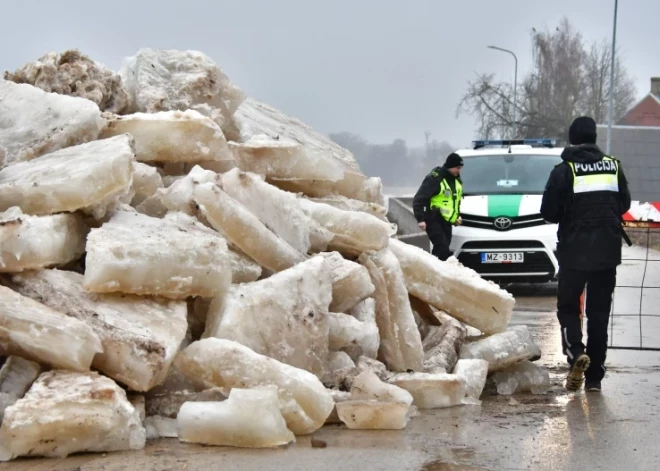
[(554, 196), (428, 189), (624, 191)]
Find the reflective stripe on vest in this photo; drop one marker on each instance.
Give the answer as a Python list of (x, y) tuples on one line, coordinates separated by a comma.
[(446, 202), (597, 176)]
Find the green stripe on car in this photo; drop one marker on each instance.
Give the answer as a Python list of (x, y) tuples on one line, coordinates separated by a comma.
[(504, 205)]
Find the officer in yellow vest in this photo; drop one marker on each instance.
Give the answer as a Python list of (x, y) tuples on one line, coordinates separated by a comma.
[(587, 195), (437, 204)]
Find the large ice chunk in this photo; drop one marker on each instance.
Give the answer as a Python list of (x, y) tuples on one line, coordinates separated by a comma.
[(280, 211), (249, 418), (37, 332), (75, 74), (33, 242), (140, 336), (283, 159), (432, 391), (167, 404), (522, 377), (348, 204), (504, 349), (90, 176), (354, 232), (138, 254), (172, 136), (304, 401), (453, 288), (351, 283), (162, 80), (442, 345), (180, 195), (160, 427), (354, 185), (365, 312), (16, 377), (66, 412), (35, 123), (284, 316), (400, 341), (244, 229), (475, 373), (345, 331), (368, 386)]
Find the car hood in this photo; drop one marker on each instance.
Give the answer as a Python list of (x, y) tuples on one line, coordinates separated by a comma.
[(501, 205)]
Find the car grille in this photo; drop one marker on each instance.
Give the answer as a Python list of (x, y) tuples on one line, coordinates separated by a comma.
[(519, 222), (502, 244), (535, 262)]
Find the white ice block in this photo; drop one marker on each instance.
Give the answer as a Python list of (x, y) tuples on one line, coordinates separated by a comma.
[(504, 349), (368, 386), (373, 415), (66, 412), (137, 254), (140, 336), (442, 345), (451, 287), (365, 312), (280, 211), (249, 418), (522, 377), (351, 283), (75, 74), (353, 185), (400, 341), (475, 373), (340, 366), (160, 427), (166, 79), (243, 229), (354, 232), (92, 177), (167, 403), (172, 136), (304, 401), (34, 242), (35, 123), (348, 204), (284, 316), (432, 391), (37, 332), (146, 182)]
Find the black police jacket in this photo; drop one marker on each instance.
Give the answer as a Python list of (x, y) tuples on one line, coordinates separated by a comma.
[(590, 223)]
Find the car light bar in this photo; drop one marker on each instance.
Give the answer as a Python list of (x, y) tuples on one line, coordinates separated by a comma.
[(512, 142)]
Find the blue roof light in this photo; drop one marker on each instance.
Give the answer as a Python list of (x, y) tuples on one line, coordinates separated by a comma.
[(511, 142)]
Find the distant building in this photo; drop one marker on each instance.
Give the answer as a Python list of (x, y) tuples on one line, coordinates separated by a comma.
[(647, 111)]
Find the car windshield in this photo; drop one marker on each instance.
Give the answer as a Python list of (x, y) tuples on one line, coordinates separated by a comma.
[(507, 173)]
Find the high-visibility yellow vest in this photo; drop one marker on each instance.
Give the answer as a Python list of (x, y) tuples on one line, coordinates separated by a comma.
[(602, 175), (447, 202)]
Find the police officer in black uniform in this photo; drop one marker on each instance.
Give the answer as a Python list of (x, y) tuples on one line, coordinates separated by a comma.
[(587, 194), (437, 204)]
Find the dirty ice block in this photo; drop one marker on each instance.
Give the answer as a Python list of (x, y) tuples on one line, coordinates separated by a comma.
[(504, 349), (373, 415), (442, 345), (304, 401), (284, 316), (16, 377), (522, 377), (432, 391), (66, 412), (455, 289), (475, 373), (351, 283)]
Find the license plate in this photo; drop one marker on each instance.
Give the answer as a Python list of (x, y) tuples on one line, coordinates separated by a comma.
[(502, 257)]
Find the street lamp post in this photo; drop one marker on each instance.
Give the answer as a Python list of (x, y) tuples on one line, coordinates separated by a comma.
[(611, 105), (515, 88)]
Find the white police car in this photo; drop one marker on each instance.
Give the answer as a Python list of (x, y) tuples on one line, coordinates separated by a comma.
[(503, 236)]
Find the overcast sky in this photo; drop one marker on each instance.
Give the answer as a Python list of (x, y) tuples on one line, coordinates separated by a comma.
[(384, 69)]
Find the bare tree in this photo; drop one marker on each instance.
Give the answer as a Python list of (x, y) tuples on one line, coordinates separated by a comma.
[(567, 79)]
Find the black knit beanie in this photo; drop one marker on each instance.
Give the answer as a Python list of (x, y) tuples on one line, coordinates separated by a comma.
[(582, 131), (453, 160)]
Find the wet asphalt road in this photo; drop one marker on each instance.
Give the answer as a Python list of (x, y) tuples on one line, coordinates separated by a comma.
[(614, 430)]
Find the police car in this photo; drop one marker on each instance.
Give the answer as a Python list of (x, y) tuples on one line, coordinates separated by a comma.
[(503, 236)]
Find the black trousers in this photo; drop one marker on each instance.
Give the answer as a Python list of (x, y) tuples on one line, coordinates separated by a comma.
[(439, 232), (598, 300)]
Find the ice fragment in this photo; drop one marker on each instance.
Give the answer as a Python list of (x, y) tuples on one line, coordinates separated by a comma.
[(504, 349)]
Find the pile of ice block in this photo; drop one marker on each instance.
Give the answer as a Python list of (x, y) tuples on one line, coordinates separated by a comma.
[(180, 260)]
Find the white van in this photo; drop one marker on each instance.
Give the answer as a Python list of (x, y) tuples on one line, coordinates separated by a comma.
[(503, 236)]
